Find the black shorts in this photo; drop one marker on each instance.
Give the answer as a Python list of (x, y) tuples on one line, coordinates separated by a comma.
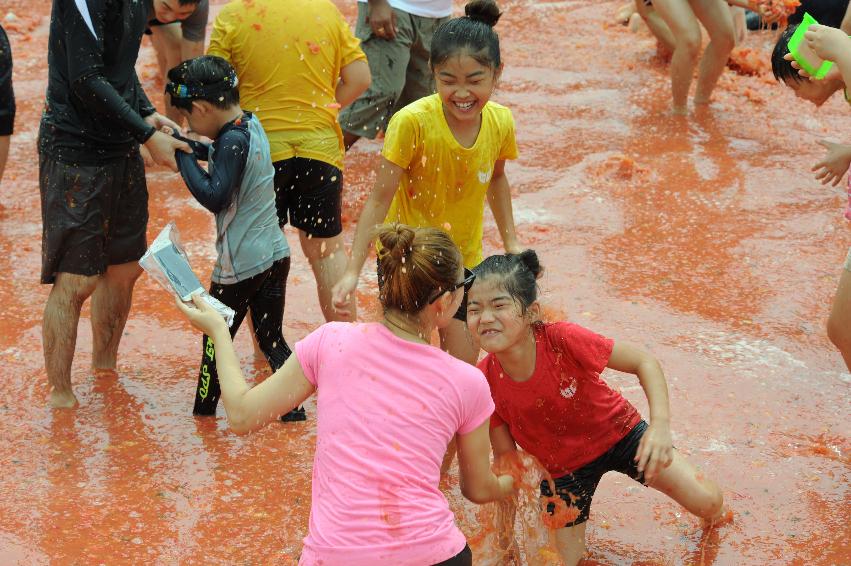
[(463, 558), (310, 193), (582, 483), (93, 216), (460, 314), (7, 94)]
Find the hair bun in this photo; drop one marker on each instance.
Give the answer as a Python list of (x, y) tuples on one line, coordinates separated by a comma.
[(530, 259), (485, 11), (397, 241)]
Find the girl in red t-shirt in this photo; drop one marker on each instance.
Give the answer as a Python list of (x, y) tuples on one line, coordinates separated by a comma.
[(545, 382)]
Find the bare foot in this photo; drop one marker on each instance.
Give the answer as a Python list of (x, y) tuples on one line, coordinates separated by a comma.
[(62, 399), (679, 110)]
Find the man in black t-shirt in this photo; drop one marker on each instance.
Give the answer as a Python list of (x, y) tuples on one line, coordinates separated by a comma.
[(94, 199)]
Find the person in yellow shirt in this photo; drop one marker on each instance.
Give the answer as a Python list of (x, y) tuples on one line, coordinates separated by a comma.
[(443, 156), (298, 63)]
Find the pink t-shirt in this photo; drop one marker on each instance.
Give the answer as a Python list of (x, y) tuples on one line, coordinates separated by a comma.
[(386, 409)]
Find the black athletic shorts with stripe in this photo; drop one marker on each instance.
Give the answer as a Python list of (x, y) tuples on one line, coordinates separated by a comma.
[(577, 489)]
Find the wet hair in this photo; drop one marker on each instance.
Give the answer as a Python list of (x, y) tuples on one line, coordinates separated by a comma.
[(415, 265), (207, 78), (783, 69), (472, 33), (188, 2), (518, 275)]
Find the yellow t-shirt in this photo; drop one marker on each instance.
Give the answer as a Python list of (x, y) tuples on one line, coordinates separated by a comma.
[(445, 184), (288, 55)]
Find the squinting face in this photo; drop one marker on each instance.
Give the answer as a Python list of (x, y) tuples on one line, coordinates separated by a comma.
[(816, 92), (494, 318), (464, 86), (171, 10), (201, 120)]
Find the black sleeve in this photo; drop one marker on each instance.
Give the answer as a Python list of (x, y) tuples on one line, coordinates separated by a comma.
[(215, 190), (84, 49), (7, 94), (201, 150)]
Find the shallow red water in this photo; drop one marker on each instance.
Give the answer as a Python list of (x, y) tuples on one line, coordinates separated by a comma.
[(704, 240)]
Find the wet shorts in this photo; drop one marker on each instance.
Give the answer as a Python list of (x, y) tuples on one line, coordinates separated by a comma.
[(310, 193), (460, 314), (399, 67), (577, 489), (7, 95), (93, 216)]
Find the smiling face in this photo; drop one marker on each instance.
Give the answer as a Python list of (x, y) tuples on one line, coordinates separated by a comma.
[(167, 11), (464, 86), (495, 318)]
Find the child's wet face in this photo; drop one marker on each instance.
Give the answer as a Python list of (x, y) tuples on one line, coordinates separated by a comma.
[(494, 317), (816, 92), (201, 120), (464, 86)]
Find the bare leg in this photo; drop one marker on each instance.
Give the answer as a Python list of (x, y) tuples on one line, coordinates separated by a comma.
[(4, 153), (686, 32), (59, 333), (686, 485), (656, 24), (328, 260), (451, 450), (571, 543), (167, 42), (839, 323), (716, 18), (111, 302)]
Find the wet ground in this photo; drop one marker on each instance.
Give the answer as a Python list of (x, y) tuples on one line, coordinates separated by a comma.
[(705, 240)]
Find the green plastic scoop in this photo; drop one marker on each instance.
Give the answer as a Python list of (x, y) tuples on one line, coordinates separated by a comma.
[(804, 56)]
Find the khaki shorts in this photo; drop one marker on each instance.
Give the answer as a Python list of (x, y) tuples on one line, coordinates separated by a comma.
[(400, 71)]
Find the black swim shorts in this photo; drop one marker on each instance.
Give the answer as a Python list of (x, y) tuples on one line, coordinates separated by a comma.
[(577, 489), (93, 216), (309, 193)]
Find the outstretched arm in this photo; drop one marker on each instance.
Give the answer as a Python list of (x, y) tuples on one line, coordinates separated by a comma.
[(374, 212), (248, 408), (499, 200), (655, 452), (478, 482)]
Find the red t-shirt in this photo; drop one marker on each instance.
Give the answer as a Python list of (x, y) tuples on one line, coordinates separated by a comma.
[(564, 415)]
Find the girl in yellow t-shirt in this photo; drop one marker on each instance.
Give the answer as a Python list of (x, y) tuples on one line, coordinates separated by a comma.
[(443, 156)]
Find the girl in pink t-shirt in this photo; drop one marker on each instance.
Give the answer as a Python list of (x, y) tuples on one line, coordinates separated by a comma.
[(388, 404), (545, 382)]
